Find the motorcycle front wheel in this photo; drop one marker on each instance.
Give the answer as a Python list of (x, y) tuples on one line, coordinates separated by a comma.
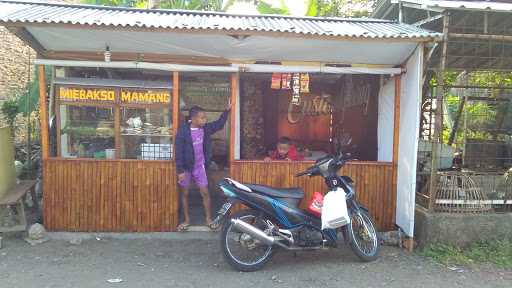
[(241, 250), (362, 234)]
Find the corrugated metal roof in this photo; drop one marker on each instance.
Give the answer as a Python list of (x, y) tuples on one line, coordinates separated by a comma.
[(50, 13), (471, 5), (442, 5)]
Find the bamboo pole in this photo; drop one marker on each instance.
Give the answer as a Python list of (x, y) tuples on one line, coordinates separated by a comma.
[(439, 114), (396, 132), (175, 107), (480, 36), (43, 114)]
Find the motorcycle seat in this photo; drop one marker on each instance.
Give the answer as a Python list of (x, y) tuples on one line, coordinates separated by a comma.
[(295, 193)]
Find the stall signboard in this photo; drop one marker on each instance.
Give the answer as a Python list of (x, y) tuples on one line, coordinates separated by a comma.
[(145, 96), (111, 95), (86, 94)]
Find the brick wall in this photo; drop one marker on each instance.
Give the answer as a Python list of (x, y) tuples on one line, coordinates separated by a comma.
[(14, 64)]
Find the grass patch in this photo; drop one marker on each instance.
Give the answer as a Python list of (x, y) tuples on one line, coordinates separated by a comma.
[(496, 252)]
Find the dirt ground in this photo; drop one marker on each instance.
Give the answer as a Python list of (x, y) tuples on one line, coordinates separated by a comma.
[(191, 262)]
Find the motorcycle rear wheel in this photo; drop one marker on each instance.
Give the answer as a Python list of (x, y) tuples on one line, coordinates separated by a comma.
[(236, 245)]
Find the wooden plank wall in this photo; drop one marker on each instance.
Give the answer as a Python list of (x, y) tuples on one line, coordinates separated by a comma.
[(374, 183), (110, 195)]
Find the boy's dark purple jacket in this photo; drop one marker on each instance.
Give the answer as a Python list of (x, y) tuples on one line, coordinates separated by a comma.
[(185, 149)]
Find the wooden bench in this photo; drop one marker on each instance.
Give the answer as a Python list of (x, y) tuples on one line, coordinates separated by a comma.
[(14, 197)]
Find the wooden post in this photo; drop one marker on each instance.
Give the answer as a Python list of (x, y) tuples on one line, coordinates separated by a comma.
[(396, 126), (409, 242), (175, 108), (117, 128), (174, 195), (233, 113), (438, 116), (396, 135), (58, 126), (43, 114)]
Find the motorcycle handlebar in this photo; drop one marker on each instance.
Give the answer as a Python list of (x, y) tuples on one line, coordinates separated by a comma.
[(301, 174)]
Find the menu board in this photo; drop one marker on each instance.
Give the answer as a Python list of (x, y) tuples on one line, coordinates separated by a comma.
[(211, 95)]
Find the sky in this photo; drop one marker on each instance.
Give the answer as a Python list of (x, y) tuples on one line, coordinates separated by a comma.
[(296, 7)]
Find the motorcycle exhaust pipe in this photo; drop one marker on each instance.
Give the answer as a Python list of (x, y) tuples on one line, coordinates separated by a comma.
[(253, 231)]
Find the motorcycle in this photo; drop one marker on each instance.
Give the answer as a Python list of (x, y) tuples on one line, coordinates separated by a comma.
[(274, 219)]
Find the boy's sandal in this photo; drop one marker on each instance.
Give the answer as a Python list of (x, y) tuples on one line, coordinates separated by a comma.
[(183, 227)]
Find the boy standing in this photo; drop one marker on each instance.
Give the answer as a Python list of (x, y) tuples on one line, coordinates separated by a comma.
[(193, 155)]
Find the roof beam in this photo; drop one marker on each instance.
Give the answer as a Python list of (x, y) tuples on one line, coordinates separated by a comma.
[(388, 11), (422, 7), (481, 36), (428, 20), (28, 38)]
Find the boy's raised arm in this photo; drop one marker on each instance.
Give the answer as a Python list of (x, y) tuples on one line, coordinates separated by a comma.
[(218, 124)]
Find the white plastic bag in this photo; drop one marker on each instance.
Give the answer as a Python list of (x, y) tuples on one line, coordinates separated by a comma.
[(334, 210)]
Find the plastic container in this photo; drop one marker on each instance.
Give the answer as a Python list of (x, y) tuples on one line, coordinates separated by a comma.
[(315, 206), (110, 153)]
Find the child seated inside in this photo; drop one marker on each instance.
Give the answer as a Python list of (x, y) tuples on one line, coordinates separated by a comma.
[(284, 151)]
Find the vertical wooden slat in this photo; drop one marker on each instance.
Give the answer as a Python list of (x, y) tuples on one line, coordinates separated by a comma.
[(127, 184), (73, 222), (58, 126), (117, 200), (117, 125), (134, 209), (68, 194), (47, 192), (108, 197), (82, 192), (146, 195), (164, 208), (91, 171), (161, 201), (56, 206), (154, 196), (133, 217)]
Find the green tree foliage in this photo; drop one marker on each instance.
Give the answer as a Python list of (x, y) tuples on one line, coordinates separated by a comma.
[(315, 8), (266, 8), (204, 5), (116, 3), (10, 109), (339, 8), (485, 120)]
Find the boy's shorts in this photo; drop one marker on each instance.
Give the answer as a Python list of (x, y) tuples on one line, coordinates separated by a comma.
[(199, 177)]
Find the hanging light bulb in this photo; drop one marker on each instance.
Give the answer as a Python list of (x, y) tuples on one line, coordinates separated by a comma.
[(107, 54)]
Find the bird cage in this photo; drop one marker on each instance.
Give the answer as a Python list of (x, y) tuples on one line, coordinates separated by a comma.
[(457, 192)]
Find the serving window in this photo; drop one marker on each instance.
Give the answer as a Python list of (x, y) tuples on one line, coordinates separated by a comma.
[(124, 120), (318, 110)]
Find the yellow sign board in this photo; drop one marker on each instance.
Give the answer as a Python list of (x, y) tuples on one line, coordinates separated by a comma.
[(144, 96), (107, 94), (86, 94)]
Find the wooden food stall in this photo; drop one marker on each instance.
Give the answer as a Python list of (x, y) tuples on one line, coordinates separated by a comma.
[(118, 92)]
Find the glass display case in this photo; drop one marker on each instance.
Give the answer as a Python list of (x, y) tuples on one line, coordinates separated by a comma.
[(146, 133), (120, 120), (87, 132)]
